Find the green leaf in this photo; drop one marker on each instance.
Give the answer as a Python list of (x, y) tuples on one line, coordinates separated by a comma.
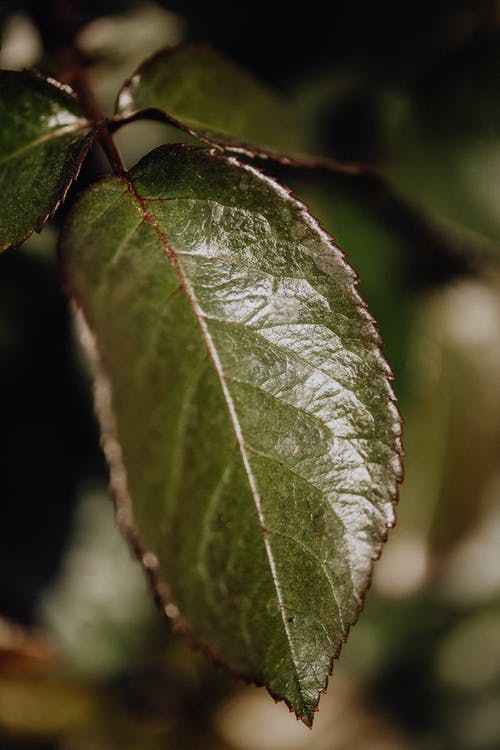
[(43, 139), (246, 411), (210, 97)]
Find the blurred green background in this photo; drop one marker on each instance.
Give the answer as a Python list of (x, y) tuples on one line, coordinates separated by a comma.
[(86, 662)]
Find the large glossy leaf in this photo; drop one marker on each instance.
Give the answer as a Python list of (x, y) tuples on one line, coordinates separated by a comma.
[(213, 99), (43, 139), (245, 405)]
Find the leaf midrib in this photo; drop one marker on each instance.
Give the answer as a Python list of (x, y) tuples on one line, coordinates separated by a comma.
[(212, 351)]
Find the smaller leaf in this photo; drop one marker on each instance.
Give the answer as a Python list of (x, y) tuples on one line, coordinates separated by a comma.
[(43, 141), (210, 97)]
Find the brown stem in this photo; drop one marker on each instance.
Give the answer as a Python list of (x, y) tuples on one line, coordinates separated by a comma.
[(79, 83), (74, 74)]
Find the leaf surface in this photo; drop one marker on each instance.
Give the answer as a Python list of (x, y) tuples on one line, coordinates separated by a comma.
[(245, 405), (43, 140), (200, 90)]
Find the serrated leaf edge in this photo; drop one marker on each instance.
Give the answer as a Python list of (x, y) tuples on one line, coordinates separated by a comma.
[(113, 452)]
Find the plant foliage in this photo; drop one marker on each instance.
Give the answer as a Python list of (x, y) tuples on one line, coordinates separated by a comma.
[(245, 406)]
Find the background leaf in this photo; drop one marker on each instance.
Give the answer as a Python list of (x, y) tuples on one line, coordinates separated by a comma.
[(214, 99), (44, 138), (115, 45), (247, 418)]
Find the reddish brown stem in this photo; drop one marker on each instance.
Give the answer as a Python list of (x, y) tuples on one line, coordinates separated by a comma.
[(74, 74), (79, 83)]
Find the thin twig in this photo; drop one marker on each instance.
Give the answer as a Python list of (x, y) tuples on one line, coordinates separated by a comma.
[(74, 74)]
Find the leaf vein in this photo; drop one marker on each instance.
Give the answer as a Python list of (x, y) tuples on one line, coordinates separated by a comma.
[(180, 428), (257, 332), (279, 399), (322, 567), (184, 279), (52, 135)]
